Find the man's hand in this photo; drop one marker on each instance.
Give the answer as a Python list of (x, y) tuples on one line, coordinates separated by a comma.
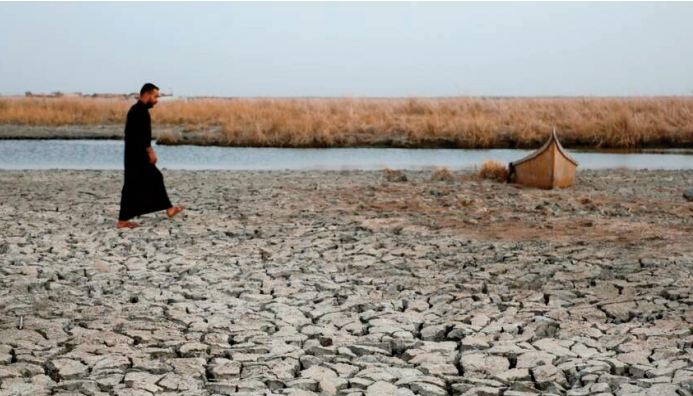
[(152, 156)]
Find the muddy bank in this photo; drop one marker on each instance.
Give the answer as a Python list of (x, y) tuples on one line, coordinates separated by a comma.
[(61, 132), (166, 135), (303, 283), (175, 135)]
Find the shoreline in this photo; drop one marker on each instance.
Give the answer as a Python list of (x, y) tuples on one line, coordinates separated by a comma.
[(162, 136), (422, 195)]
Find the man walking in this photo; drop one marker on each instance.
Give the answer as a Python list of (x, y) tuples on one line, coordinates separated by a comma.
[(143, 188)]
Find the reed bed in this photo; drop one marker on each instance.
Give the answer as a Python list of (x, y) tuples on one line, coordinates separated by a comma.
[(618, 123)]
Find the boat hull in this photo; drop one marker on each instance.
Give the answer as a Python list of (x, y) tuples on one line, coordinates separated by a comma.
[(548, 167)]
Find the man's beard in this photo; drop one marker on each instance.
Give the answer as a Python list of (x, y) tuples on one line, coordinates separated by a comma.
[(149, 105)]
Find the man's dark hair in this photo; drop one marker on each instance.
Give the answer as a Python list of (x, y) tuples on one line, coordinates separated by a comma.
[(148, 87)]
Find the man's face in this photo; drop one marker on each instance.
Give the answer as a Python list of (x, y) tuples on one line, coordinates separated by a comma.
[(151, 98)]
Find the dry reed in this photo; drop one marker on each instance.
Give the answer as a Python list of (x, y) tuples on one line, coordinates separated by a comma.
[(493, 170), (416, 122)]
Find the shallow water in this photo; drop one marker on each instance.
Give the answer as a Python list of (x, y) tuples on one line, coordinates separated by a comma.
[(108, 154)]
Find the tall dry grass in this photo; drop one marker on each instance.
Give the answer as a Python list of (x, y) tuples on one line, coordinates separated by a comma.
[(62, 111), (413, 122)]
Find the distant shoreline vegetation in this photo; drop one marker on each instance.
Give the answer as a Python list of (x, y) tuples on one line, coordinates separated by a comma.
[(463, 122)]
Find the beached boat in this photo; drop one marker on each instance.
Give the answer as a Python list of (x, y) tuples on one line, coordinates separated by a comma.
[(548, 167)]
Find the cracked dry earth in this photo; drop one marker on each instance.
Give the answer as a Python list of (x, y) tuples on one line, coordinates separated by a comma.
[(345, 283)]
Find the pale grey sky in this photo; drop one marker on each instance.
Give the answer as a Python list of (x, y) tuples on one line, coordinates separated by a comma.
[(349, 49)]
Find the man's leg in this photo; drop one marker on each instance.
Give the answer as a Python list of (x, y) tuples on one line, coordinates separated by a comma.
[(123, 218), (171, 210)]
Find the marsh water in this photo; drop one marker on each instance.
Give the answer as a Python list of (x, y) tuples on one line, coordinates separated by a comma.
[(108, 154)]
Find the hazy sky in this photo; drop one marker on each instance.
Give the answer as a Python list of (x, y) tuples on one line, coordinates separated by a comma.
[(353, 49)]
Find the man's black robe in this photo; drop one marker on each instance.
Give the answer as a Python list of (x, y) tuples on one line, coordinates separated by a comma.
[(143, 188)]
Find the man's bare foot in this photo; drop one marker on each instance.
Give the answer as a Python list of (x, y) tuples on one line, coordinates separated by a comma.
[(126, 224), (174, 210)]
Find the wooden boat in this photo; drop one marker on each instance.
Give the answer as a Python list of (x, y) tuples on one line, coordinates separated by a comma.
[(548, 167)]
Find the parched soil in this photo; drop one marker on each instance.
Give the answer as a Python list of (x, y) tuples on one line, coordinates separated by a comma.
[(347, 283)]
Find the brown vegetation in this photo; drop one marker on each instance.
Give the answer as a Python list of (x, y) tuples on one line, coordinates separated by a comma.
[(493, 170), (442, 174), (415, 122), (394, 175)]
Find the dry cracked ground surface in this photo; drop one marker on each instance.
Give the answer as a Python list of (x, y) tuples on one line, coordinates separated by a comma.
[(347, 283)]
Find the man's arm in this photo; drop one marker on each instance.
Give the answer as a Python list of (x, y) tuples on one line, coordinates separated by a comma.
[(147, 126)]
